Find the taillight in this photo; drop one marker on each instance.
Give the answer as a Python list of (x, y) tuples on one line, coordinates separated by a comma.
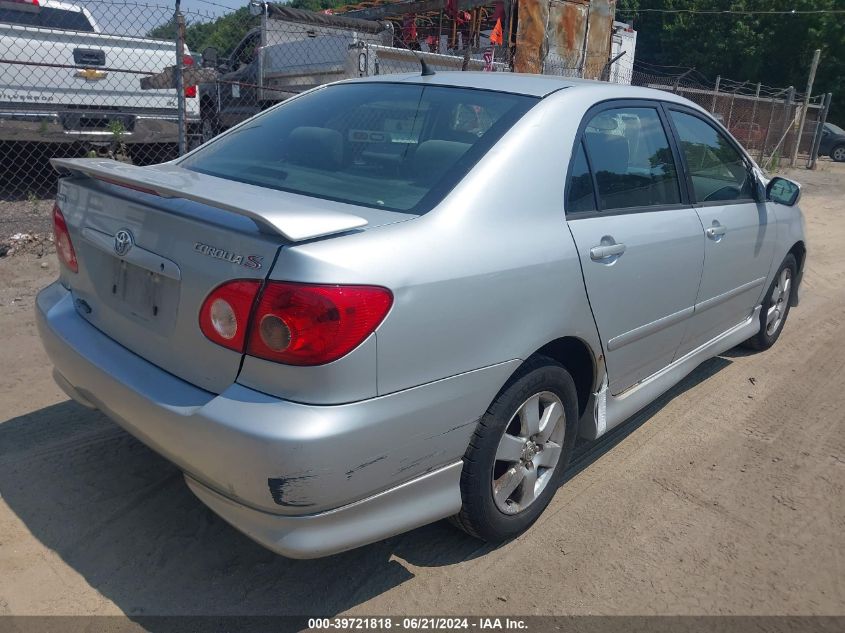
[(190, 91), (294, 323), (224, 315), (309, 324), (61, 237)]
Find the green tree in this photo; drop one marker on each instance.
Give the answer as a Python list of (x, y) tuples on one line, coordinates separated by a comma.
[(223, 33), (773, 49)]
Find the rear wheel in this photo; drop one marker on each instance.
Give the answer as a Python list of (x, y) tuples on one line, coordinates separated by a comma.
[(775, 306), (517, 456), (838, 153)]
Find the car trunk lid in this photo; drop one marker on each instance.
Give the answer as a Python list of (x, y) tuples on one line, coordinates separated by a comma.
[(148, 259)]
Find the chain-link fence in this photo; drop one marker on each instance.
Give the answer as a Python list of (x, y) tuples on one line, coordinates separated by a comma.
[(143, 83), (70, 86), (765, 119)]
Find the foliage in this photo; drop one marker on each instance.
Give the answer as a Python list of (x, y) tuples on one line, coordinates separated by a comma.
[(774, 49), (225, 32)]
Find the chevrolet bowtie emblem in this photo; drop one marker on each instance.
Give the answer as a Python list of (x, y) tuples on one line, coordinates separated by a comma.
[(91, 74)]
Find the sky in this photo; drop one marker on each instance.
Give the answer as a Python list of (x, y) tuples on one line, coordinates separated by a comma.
[(137, 17)]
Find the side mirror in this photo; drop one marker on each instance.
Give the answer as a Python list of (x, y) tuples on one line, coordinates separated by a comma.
[(783, 191), (209, 57)]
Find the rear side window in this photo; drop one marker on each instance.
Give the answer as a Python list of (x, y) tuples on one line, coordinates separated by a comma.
[(630, 156), (45, 17), (717, 170), (580, 197), (400, 147)]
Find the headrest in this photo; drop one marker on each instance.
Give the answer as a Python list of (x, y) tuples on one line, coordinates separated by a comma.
[(434, 158), (316, 147)]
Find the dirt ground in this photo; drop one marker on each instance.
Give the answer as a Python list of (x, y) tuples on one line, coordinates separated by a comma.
[(724, 497)]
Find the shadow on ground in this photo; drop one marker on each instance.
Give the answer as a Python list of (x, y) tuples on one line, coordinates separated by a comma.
[(122, 517)]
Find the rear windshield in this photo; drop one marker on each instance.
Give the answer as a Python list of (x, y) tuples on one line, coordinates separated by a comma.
[(400, 147), (45, 17)]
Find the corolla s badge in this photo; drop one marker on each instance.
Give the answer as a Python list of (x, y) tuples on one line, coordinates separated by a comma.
[(122, 242), (247, 261)]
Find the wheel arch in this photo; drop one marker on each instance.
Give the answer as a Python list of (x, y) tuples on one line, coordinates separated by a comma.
[(579, 360), (799, 250)]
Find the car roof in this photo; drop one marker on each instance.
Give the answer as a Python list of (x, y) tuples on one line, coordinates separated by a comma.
[(529, 84)]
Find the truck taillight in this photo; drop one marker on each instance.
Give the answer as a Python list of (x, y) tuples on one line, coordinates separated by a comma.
[(294, 323), (190, 91), (64, 245)]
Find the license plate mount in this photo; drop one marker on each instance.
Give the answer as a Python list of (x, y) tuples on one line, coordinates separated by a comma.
[(138, 289)]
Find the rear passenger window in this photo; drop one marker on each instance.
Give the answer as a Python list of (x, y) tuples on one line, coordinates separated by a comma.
[(630, 156), (716, 168), (580, 196)]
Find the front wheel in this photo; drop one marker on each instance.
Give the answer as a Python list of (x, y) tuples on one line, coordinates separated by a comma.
[(517, 455), (775, 306), (838, 153)]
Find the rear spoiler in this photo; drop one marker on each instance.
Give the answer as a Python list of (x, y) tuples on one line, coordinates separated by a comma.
[(271, 210)]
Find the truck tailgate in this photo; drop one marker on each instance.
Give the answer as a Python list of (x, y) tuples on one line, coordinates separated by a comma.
[(100, 84)]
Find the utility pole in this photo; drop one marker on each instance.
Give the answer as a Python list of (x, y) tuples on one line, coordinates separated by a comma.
[(803, 117)]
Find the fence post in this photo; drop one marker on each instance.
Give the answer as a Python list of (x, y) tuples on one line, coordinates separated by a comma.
[(754, 105), (179, 22), (715, 94), (803, 118), (817, 137), (768, 131), (733, 98), (677, 81), (787, 109)]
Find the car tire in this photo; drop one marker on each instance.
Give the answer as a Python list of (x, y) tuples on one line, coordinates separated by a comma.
[(776, 305), (493, 464), (838, 153)]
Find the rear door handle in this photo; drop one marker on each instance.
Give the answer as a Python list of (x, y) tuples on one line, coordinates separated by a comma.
[(606, 251), (715, 231)]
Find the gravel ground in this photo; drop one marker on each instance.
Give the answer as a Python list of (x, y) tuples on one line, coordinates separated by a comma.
[(723, 497)]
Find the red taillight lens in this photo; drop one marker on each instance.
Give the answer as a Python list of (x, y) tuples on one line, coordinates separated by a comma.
[(224, 315), (64, 246), (190, 91), (306, 324)]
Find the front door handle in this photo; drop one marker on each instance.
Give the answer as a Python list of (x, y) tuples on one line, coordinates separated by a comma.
[(606, 251), (714, 232)]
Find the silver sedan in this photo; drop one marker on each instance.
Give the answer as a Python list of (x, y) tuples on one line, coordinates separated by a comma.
[(390, 301)]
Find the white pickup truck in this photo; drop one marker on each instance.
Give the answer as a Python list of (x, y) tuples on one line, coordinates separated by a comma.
[(62, 80)]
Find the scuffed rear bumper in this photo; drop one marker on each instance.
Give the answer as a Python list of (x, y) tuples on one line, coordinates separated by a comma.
[(302, 480)]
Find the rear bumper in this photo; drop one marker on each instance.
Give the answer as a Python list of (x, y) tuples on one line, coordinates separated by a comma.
[(302, 480), (56, 127)]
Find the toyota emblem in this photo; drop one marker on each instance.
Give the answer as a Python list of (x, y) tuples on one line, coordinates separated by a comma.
[(122, 242)]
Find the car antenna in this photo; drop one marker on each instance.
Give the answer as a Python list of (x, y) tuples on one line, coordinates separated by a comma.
[(426, 71)]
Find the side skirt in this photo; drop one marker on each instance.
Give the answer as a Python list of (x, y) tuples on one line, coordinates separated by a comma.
[(610, 411)]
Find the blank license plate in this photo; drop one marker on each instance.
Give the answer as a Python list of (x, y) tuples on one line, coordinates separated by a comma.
[(138, 289)]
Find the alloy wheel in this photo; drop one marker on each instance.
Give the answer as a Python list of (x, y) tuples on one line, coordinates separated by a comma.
[(528, 452), (779, 301)]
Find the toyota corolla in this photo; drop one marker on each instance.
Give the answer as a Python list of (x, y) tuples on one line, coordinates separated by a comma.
[(395, 300)]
